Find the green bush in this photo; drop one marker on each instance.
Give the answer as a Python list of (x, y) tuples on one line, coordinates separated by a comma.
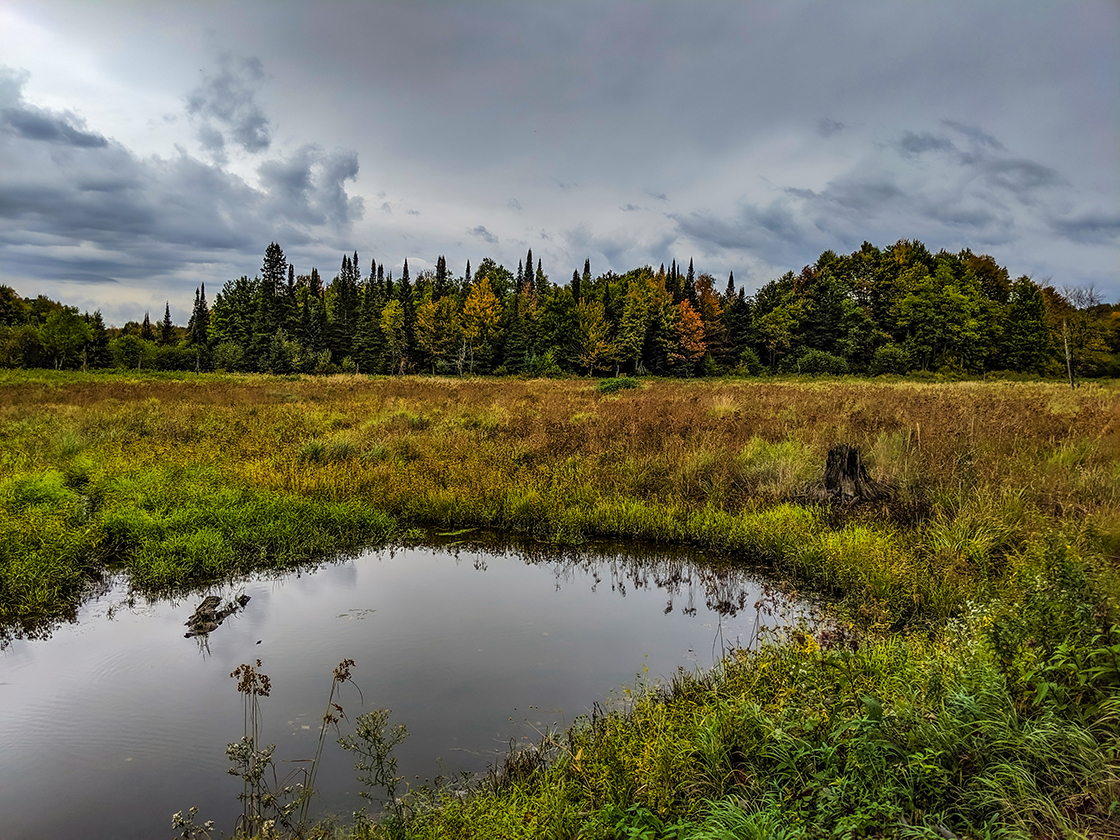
[(818, 361), (618, 383), (749, 363), (890, 358)]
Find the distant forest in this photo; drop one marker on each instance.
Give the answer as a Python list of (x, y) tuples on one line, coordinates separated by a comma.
[(898, 310)]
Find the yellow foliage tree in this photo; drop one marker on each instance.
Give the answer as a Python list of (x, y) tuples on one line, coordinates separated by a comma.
[(439, 328), (593, 346), (482, 313)]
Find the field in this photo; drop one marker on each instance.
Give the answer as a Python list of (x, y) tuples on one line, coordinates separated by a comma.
[(967, 682)]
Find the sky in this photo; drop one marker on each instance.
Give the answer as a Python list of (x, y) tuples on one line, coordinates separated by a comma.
[(146, 148)]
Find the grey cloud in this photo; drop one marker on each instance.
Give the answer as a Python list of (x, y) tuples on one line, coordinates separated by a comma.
[(829, 128), (29, 122), (309, 187), (225, 104), (1020, 176), (40, 125), (629, 208), (385, 208), (143, 218), (659, 196), (513, 204), (483, 234), (917, 144), (983, 196), (1097, 228), (974, 133), (413, 212)]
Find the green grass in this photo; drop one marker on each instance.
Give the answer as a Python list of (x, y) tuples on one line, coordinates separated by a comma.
[(968, 681)]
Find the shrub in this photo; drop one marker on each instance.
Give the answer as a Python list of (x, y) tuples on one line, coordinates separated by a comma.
[(229, 356), (890, 358), (618, 383), (749, 363), (818, 361)]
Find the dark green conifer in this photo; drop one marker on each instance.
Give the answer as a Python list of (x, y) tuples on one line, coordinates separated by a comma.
[(166, 328)]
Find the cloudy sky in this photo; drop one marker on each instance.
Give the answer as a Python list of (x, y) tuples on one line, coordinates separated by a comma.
[(148, 147)]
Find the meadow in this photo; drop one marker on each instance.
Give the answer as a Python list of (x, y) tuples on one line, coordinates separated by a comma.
[(966, 682)]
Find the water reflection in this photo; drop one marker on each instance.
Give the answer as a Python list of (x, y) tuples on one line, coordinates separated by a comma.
[(470, 641)]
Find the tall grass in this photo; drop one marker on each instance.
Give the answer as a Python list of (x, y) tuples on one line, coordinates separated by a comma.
[(993, 709), (185, 477)]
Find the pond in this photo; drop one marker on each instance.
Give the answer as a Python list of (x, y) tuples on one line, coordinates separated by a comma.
[(117, 721)]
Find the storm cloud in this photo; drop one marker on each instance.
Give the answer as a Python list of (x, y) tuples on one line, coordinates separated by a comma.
[(87, 212), (225, 108)]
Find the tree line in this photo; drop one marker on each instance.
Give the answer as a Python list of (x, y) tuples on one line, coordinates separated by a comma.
[(898, 309)]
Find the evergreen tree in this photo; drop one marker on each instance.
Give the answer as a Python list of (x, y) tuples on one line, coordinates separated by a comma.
[(575, 285), (690, 287), (442, 285), (231, 317), (274, 270), (146, 332), (198, 331), (166, 328), (97, 346), (369, 346), (729, 292), (541, 281), (408, 314)]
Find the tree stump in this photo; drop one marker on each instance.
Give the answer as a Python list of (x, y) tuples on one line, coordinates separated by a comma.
[(846, 479)]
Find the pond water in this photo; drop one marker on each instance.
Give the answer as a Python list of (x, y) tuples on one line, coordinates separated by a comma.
[(114, 723)]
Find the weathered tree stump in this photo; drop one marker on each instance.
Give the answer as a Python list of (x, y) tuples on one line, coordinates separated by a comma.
[(846, 479)]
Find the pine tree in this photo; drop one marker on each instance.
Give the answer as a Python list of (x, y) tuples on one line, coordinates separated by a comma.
[(690, 287), (369, 347), (166, 328), (274, 270), (575, 285), (729, 292), (198, 331), (408, 315), (541, 281), (146, 328), (97, 348)]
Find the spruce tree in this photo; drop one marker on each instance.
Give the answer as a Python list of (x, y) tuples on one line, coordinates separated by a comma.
[(146, 328), (97, 348), (575, 285), (541, 282), (274, 270), (690, 287), (198, 331), (166, 328), (408, 311)]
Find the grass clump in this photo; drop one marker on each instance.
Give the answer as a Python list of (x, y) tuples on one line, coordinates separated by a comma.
[(615, 384)]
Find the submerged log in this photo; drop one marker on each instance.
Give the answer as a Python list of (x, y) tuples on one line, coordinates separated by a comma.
[(846, 479)]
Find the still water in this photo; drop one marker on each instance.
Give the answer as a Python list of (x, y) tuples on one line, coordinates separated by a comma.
[(114, 723)]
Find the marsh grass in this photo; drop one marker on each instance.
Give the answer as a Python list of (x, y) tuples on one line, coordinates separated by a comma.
[(187, 477), (838, 732), (992, 710)]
